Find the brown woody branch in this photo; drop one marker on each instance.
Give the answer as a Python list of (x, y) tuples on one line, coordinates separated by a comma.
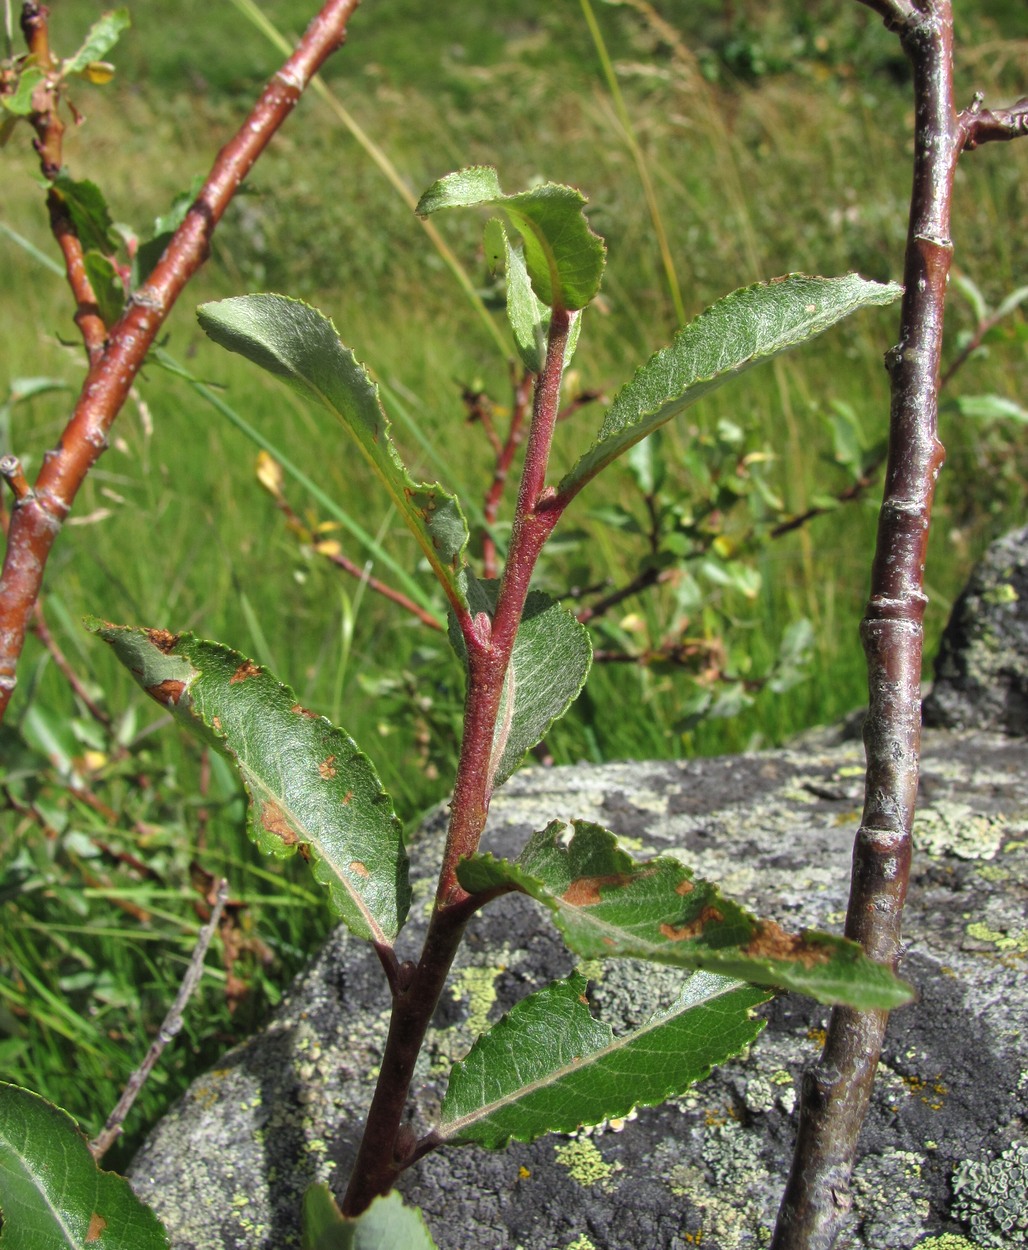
[(37, 519), (837, 1091)]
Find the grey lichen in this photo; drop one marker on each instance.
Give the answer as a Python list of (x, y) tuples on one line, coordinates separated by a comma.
[(992, 1197)]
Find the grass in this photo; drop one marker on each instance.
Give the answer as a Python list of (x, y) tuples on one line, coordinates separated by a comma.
[(756, 138)]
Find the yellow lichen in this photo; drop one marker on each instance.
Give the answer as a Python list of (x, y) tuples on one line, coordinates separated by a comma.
[(584, 1162)]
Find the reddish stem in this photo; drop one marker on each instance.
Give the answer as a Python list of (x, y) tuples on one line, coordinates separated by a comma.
[(387, 1147), (36, 521)]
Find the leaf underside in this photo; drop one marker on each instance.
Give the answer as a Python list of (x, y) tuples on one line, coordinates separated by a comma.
[(548, 667), (299, 345), (311, 789), (739, 331), (549, 1066), (52, 1194), (386, 1225), (608, 905), (563, 256)]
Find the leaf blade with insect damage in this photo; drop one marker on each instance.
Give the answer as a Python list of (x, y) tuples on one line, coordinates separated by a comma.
[(53, 1195), (311, 789), (608, 905)]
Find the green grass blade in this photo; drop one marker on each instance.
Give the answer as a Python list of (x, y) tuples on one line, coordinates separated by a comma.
[(370, 544)]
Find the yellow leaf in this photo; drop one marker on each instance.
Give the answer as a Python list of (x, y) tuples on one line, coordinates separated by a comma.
[(98, 72), (269, 474)]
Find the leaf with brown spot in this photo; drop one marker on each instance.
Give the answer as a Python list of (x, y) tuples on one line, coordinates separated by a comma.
[(607, 904), (53, 1194), (245, 670), (312, 791)]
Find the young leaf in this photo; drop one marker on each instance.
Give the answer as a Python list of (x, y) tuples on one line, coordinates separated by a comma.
[(53, 1196), (607, 904), (19, 101), (88, 211), (107, 286), (550, 662), (739, 331), (527, 314), (102, 36), (164, 226), (548, 1066), (386, 1225), (296, 343), (311, 789), (564, 257)]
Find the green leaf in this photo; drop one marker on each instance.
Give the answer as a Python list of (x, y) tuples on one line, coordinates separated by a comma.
[(296, 343), (737, 332), (19, 102), (87, 209), (53, 1196), (103, 35), (607, 904), (549, 1066), (529, 317), (564, 257), (989, 408), (311, 789), (164, 226), (549, 664), (107, 286), (386, 1225)]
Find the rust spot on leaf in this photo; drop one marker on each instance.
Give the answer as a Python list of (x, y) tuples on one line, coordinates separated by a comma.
[(771, 941), (97, 1224), (163, 640), (304, 851), (686, 932), (167, 692), (347, 797), (273, 819), (298, 710), (325, 768), (245, 670), (358, 869), (585, 892), (216, 722), (684, 887)]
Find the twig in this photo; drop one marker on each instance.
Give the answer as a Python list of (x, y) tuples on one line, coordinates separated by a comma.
[(360, 572), (42, 631), (36, 523), (171, 1024), (836, 1093)]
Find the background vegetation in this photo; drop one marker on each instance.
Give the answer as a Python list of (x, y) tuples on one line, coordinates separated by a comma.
[(776, 137)]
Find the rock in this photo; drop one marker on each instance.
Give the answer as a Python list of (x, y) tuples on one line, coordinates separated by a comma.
[(226, 1169), (981, 673)]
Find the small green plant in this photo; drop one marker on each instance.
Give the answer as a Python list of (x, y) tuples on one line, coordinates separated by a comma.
[(313, 791), (548, 1065)]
